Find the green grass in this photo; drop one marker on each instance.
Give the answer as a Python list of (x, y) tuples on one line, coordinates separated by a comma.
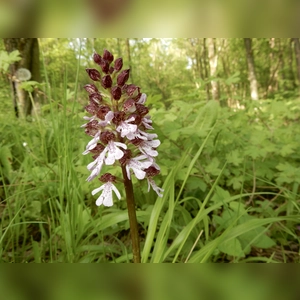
[(48, 214)]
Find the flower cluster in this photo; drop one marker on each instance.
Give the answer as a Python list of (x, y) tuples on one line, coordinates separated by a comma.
[(118, 126)]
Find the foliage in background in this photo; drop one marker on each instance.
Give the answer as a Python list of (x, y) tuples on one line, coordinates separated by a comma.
[(231, 175)]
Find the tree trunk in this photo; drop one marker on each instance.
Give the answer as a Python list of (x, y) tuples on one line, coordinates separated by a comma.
[(29, 52), (251, 69), (297, 54), (213, 63), (129, 58), (204, 57), (274, 63)]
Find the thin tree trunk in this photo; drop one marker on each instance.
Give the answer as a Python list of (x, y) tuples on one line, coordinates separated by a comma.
[(273, 69), (290, 62), (204, 57), (226, 68), (251, 69), (129, 58), (29, 52), (297, 54), (213, 63)]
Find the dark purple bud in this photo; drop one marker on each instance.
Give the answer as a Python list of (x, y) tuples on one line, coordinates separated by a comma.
[(132, 90), (107, 177), (107, 136), (102, 111), (127, 155), (91, 128), (94, 74), (98, 149), (104, 65), (136, 141), (137, 98), (137, 119), (91, 88), (129, 106), (96, 98), (92, 108), (97, 58), (111, 69), (106, 81), (116, 92), (141, 109), (119, 116), (123, 77), (151, 171), (108, 56), (118, 64)]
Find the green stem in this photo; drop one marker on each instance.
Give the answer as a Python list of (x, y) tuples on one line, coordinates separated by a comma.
[(132, 218)]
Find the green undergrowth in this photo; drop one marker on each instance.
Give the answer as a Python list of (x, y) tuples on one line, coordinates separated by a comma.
[(231, 181)]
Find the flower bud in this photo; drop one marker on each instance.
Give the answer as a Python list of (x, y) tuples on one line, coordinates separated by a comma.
[(107, 136), (127, 155), (123, 77), (95, 98), (91, 128), (151, 171), (141, 109), (132, 90), (98, 149), (91, 88), (137, 119), (92, 108), (116, 92), (106, 81), (108, 56), (119, 116), (94, 74), (136, 141), (102, 111), (129, 106), (104, 65), (111, 69), (118, 64), (97, 58), (107, 177)]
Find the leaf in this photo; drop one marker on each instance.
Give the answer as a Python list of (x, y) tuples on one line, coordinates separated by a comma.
[(256, 238), (234, 157), (8, 58), (253, 151), (288, 173), (212, 168), (258, 137), (6, 161), (264, 242), (233, 78), (232, 247), (220, 194), (33, 211), (287, 149), (29, 85), (207, 116), (195, 183), (236, 182)]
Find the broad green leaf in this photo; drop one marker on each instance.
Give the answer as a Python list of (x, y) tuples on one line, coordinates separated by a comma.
[(213, 167), (234, 157), (232, 247), (236, 182)]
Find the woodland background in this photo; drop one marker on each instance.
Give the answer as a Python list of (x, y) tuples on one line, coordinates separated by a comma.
[(227, 113)]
